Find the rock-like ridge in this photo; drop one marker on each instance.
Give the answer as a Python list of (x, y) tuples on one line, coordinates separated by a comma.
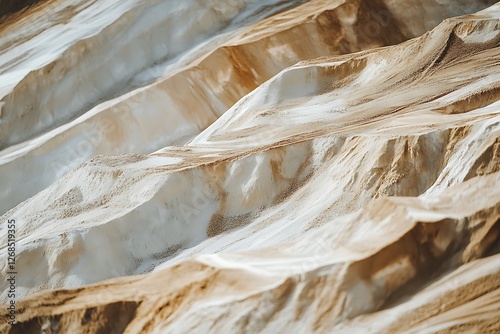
[(347, 193)]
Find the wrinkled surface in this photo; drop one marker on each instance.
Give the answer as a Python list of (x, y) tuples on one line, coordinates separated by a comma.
[(274, 167)]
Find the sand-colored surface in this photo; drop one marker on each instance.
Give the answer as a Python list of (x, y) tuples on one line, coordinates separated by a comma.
[(303, 167)]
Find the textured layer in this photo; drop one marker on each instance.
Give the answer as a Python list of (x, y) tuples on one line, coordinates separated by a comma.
[(188, 92), (348, 193)]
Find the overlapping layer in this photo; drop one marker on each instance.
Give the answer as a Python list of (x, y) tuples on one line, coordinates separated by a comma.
[(321, 201)]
